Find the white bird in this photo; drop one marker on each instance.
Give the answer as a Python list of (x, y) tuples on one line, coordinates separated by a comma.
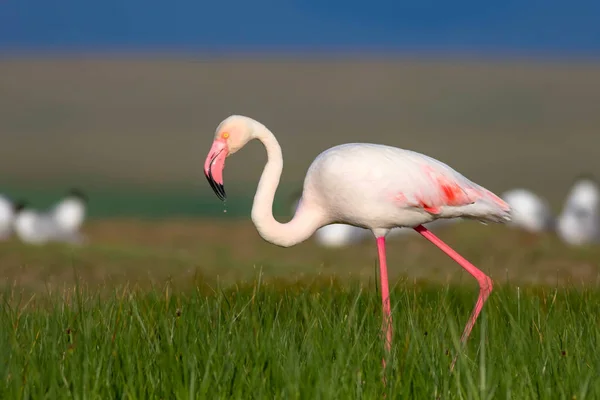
[(371, 186), (340, 235), (31, 226), (343, 235), (7, 214), (579, 222), (69, 213), (60, 224), (530, 212)]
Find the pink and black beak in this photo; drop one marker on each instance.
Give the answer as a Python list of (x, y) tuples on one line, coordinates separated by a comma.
[(214, 165)]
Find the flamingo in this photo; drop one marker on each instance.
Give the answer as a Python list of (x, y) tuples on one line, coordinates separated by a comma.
[(579, 222), (371, 186)]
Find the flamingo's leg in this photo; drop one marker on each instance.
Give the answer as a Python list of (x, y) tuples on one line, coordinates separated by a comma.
[(385, 295), (485, 282)]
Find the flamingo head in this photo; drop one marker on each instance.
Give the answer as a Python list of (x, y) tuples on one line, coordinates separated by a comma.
[(231, 135)]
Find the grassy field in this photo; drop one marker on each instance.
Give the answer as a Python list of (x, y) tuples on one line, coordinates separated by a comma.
[(305, 341), (205, 309)]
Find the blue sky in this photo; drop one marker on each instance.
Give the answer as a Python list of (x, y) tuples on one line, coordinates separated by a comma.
[(524, 27)]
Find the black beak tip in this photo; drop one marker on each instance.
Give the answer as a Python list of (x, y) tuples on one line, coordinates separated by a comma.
[(221, 192), (216, 187)]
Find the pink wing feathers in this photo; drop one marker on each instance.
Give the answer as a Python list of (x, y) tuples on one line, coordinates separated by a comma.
[(407, 178), (435, 185)]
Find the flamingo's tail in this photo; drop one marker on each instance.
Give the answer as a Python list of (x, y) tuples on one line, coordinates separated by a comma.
[(487, 208)]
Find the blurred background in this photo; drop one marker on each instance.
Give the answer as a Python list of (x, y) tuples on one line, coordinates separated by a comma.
[(121, 98)]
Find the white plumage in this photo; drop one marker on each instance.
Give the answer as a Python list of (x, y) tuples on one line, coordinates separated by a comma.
[(69, 213), (579, 222), (381, 187), (338, 235), (530, 212), (343, 235), (7, 214), (60, 224), (34, 227)]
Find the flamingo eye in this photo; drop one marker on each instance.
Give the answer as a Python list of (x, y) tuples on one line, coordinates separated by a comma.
[(225, 135)]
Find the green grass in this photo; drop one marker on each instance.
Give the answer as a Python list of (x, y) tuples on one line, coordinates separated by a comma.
[(310, 340), (159, 309)]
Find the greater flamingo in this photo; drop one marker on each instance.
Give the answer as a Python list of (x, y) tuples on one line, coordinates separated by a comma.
[(371, 186)]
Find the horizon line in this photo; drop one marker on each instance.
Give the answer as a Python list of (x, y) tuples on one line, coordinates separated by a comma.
[(306, 53)]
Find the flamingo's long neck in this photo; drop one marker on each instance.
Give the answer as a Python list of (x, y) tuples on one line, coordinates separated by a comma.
[(306, 220)]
